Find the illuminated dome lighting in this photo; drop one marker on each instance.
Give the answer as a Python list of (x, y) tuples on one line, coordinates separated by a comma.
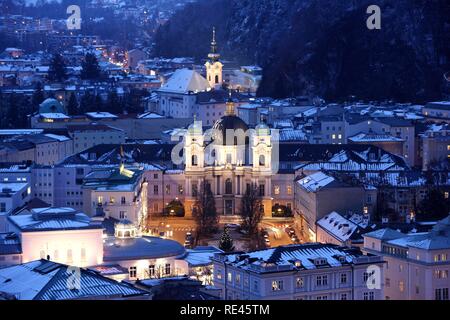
[(125, 229)]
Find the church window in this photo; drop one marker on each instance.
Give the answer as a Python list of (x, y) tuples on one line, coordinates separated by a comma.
[(262, 188), (194, 160), (217, 79), (262, 160)]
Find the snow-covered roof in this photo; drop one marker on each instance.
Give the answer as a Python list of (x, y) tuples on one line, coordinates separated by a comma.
[(304, 256), (46, 280), (338, 226), (315, 181), (184, 81), (54, 116), (201, 256), (150, 115), (366, 137), (13, 186), (15, 132), (52, 219), (57, 137), (101, 115), (292, 135), (436, 239)]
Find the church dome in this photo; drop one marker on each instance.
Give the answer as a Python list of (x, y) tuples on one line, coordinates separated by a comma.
[(233, 123), (51, 105)]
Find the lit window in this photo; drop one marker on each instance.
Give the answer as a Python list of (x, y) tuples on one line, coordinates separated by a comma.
[(167, 269), (277, 285), (300, 282), (277, 190), (289, 190), (401, 286), (133, 272)]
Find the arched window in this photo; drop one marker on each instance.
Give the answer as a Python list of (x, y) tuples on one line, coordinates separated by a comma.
[(217, 79), (262, 160), (194, 160), (228, 187), (127, 234)]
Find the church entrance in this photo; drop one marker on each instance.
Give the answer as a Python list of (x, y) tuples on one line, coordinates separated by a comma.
[(229, 208)]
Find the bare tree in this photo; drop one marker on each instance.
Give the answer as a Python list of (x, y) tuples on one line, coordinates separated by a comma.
[(252, 212), (204, 212)]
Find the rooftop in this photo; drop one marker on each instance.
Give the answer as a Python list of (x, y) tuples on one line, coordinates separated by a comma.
[(52, 219), (315, 181), (185, 81), (437, 238), (304, 256), (140, 248), (46, 280)]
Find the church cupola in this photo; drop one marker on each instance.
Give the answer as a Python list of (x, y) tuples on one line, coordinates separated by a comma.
[(213, 66), (230, 107)]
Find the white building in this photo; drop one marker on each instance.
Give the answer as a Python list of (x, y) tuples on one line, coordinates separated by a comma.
[(299, 272), (117, 193), (417, 265), (58, 234), (144, 257)]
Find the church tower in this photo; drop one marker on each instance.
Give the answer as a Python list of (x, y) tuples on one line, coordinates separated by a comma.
[(214, 66)]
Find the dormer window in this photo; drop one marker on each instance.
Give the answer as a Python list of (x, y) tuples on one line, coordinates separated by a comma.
[(320, 261)]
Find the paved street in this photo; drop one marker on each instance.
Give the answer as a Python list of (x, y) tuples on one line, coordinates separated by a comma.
[(176, 229)]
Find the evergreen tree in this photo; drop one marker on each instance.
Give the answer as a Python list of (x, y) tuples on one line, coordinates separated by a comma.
[(87, 103), (226, 243), (4, 123), (91, 69), (113, 103), (72, 106), (57, 69), (435, 206), (99, 106), (38, 97)]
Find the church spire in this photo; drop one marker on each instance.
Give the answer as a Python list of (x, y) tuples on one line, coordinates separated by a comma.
[(213, 55)]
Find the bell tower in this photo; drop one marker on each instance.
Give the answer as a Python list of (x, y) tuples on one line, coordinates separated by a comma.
[(213, 65), (262, 148), (193, 148)]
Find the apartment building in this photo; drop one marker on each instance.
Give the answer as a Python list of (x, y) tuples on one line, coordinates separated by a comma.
[(299, 272), (417, 264)]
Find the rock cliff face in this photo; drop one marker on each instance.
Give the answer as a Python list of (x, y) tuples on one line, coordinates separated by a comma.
[(323, 47)]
